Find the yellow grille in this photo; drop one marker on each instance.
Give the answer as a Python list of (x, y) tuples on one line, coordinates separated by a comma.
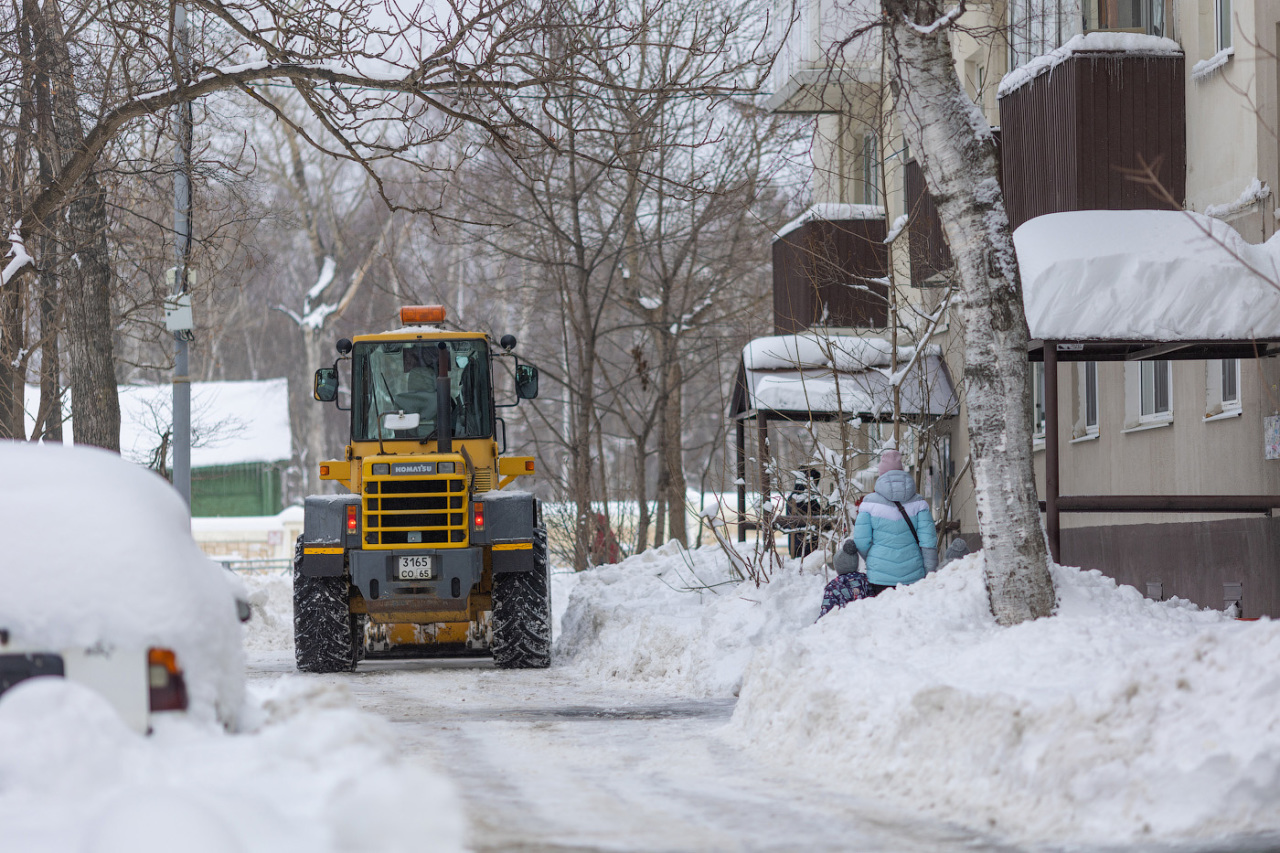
[(483, 479), (408, 511)]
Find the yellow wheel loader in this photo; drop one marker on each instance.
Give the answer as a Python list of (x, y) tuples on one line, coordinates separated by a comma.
[(428, 553)]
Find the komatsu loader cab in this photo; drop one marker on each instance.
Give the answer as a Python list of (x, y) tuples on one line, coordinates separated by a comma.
[(428, 553)]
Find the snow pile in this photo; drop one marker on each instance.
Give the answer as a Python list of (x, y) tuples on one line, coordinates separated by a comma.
[(1092, 43), (270, 628), (100, 551), (317, 775), (1158, 275), (677, 620), (1118, 718)]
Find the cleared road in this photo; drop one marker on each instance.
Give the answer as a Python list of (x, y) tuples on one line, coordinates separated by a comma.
[(547, 763)]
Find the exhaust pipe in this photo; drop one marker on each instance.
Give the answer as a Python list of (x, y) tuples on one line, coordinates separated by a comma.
[(444, 401)]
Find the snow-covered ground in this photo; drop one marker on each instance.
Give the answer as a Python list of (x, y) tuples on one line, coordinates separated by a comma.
[(908, 722), (309, 772), (1118, 720)]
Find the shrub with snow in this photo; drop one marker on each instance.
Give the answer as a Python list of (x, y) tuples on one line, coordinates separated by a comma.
[(99, 550), (676, 619)]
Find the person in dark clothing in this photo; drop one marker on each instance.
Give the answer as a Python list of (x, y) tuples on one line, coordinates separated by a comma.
[(849, 584), (806, 502), (957, 549)]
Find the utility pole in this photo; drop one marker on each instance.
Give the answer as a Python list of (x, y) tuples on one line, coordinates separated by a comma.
[(182, 257)]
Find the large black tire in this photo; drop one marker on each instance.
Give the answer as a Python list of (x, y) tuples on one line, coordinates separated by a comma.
[(325, 637), (522, 613)]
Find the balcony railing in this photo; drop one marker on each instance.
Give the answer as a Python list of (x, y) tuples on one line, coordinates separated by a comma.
[(1078, 136), (810, 75)]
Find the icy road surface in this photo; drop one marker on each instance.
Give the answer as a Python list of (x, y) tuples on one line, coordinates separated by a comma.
[(546, 763)]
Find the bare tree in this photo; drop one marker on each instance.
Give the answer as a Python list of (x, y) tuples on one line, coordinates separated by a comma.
[(377, 85)]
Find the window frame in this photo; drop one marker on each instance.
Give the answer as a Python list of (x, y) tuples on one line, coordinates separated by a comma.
[(1155, 367), (871, 168), (1154, 15), (1223, 38), (1218, 374), (1038, 418), (1086, 385)]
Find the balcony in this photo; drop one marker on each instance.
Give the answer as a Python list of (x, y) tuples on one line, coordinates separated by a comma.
[(1077, 124), (830, 268), (808, 76)]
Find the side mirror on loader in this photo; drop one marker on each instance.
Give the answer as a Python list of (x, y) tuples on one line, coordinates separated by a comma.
[(326, 387), (526, 381)]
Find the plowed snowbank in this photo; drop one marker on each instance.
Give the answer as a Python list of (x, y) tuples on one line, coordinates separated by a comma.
[(1118, 719), (675, 620)]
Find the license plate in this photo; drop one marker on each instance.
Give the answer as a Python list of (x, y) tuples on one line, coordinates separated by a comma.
[(414, 568)]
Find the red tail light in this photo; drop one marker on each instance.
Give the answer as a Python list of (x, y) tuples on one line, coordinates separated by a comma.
[(479, 512), (168, 687), (352, 519)]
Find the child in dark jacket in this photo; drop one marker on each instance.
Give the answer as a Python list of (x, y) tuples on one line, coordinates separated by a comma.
[(849, 584)]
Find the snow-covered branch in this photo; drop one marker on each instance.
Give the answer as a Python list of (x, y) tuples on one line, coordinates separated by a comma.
[(322, 283), (18, 255), (922, 348), (943, 20)]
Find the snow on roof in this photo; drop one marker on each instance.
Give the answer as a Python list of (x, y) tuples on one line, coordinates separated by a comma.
[(232, 422), (827, 374), (1151, 275), (1130, 43), (237, 523), (831, 212)]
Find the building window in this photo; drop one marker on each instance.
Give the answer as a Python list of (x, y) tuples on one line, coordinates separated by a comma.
[(1224, 23), (1037, 401), (1155, 398), (1222, 387), (870, 169), (1086, 419), (1037, 27), (1130, 16)]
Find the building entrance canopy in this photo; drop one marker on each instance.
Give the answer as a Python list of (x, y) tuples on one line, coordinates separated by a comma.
[(1146, 276), (820, 376), (1135, 285)]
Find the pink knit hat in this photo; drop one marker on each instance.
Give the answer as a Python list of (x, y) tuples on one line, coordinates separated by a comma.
[(890, 460)]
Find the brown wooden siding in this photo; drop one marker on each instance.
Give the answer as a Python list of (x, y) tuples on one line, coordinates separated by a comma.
[(1190, 560), (814, 267), (930, 255), (1069, 135)]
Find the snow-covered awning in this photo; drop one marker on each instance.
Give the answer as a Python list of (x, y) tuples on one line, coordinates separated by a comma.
[(1132, 44), (832, 212), (1146, 275), (820, 377)]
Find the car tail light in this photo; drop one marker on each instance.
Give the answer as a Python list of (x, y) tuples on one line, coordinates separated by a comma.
[(168, 687), (479, 514), (351, 518)]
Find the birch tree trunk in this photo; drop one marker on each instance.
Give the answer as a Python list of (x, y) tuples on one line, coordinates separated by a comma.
[(951, 139)]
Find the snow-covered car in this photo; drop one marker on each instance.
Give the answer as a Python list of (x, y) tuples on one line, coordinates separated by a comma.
[(103, 584)]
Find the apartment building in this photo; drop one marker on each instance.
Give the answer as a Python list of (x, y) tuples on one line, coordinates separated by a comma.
[(1097, 105)]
